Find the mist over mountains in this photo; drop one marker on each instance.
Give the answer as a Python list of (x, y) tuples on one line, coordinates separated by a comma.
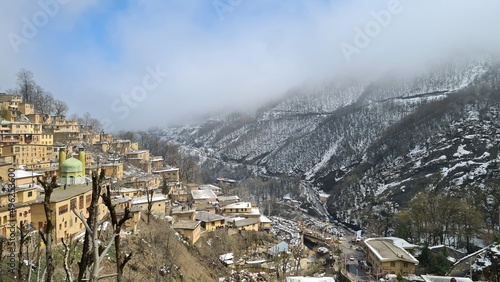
[(367, 142)]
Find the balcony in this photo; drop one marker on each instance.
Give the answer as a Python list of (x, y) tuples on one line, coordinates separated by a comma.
[(9, 139)]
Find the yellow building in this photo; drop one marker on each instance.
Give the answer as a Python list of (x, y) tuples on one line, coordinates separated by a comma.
[(210, 221), (26, 142), (156, 162), (9, 104), (131, 224), (241, 207), (158, 201), (171, 174), (24, 196), (130, 192), (248, 224), (203, 197), (183, 213), (389, 254), (150, 181), (113, 170), (63, 202), (25, 178), (138, 155), (264, 223), (189, 229)]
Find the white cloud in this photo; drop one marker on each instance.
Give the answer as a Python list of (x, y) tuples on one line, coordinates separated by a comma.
[(258, 51)]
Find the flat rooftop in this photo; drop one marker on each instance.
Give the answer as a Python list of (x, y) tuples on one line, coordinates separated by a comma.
[(61, 194), (386, 250)]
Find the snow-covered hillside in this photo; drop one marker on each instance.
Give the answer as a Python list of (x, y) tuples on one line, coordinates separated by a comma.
[(366, 141)]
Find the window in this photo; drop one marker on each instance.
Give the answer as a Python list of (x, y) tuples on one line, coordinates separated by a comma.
[(30, 193), (80, 202), (72, 204), (63, 209), (405, 264), (393, 264), (88, 200)]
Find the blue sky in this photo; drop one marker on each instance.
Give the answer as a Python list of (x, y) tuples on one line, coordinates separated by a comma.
[(222, 55)]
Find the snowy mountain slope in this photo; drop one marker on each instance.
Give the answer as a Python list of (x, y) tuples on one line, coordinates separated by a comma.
[(356, 139), (451, 149)]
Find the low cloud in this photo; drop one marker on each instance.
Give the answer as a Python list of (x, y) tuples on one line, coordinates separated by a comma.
[(235, 58)]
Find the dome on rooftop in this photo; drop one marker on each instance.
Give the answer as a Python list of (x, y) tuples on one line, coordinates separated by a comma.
[(71, 165)]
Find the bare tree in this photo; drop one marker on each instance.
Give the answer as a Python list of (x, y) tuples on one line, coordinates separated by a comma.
[(149, 198), (87, 255), (94, 125), (127, 135), (85, 119), (60, 108), (74, 117), (45, 103), (93, 253), (26, 85), (121, 260), (67, 261), (46, 235)]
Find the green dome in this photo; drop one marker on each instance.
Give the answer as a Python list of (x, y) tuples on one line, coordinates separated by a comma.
[(71, 165)]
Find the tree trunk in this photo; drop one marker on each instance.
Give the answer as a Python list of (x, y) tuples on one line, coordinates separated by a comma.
[(47, 235)]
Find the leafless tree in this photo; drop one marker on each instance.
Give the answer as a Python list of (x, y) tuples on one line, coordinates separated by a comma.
[(93, 254), (126, 135), (26, 85), (60, 108), (67, 250), (46, 235), (149, 198), (47, 104), (87, 255), (121, 260)]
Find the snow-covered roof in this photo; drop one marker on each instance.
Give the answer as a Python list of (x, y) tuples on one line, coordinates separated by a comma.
[(203, 194), (264, 219), (432, 278), (228, 198), (144, 199), (245, 222), (240, 205), (309, 279), (209, 186), (25, 174), (390, 249)]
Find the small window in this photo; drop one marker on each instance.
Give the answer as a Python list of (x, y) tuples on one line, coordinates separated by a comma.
[(393, 264), (63, 209), (72, 204), (30, 193)]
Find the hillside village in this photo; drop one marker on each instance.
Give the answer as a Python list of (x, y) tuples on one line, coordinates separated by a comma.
[(34, 145)]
